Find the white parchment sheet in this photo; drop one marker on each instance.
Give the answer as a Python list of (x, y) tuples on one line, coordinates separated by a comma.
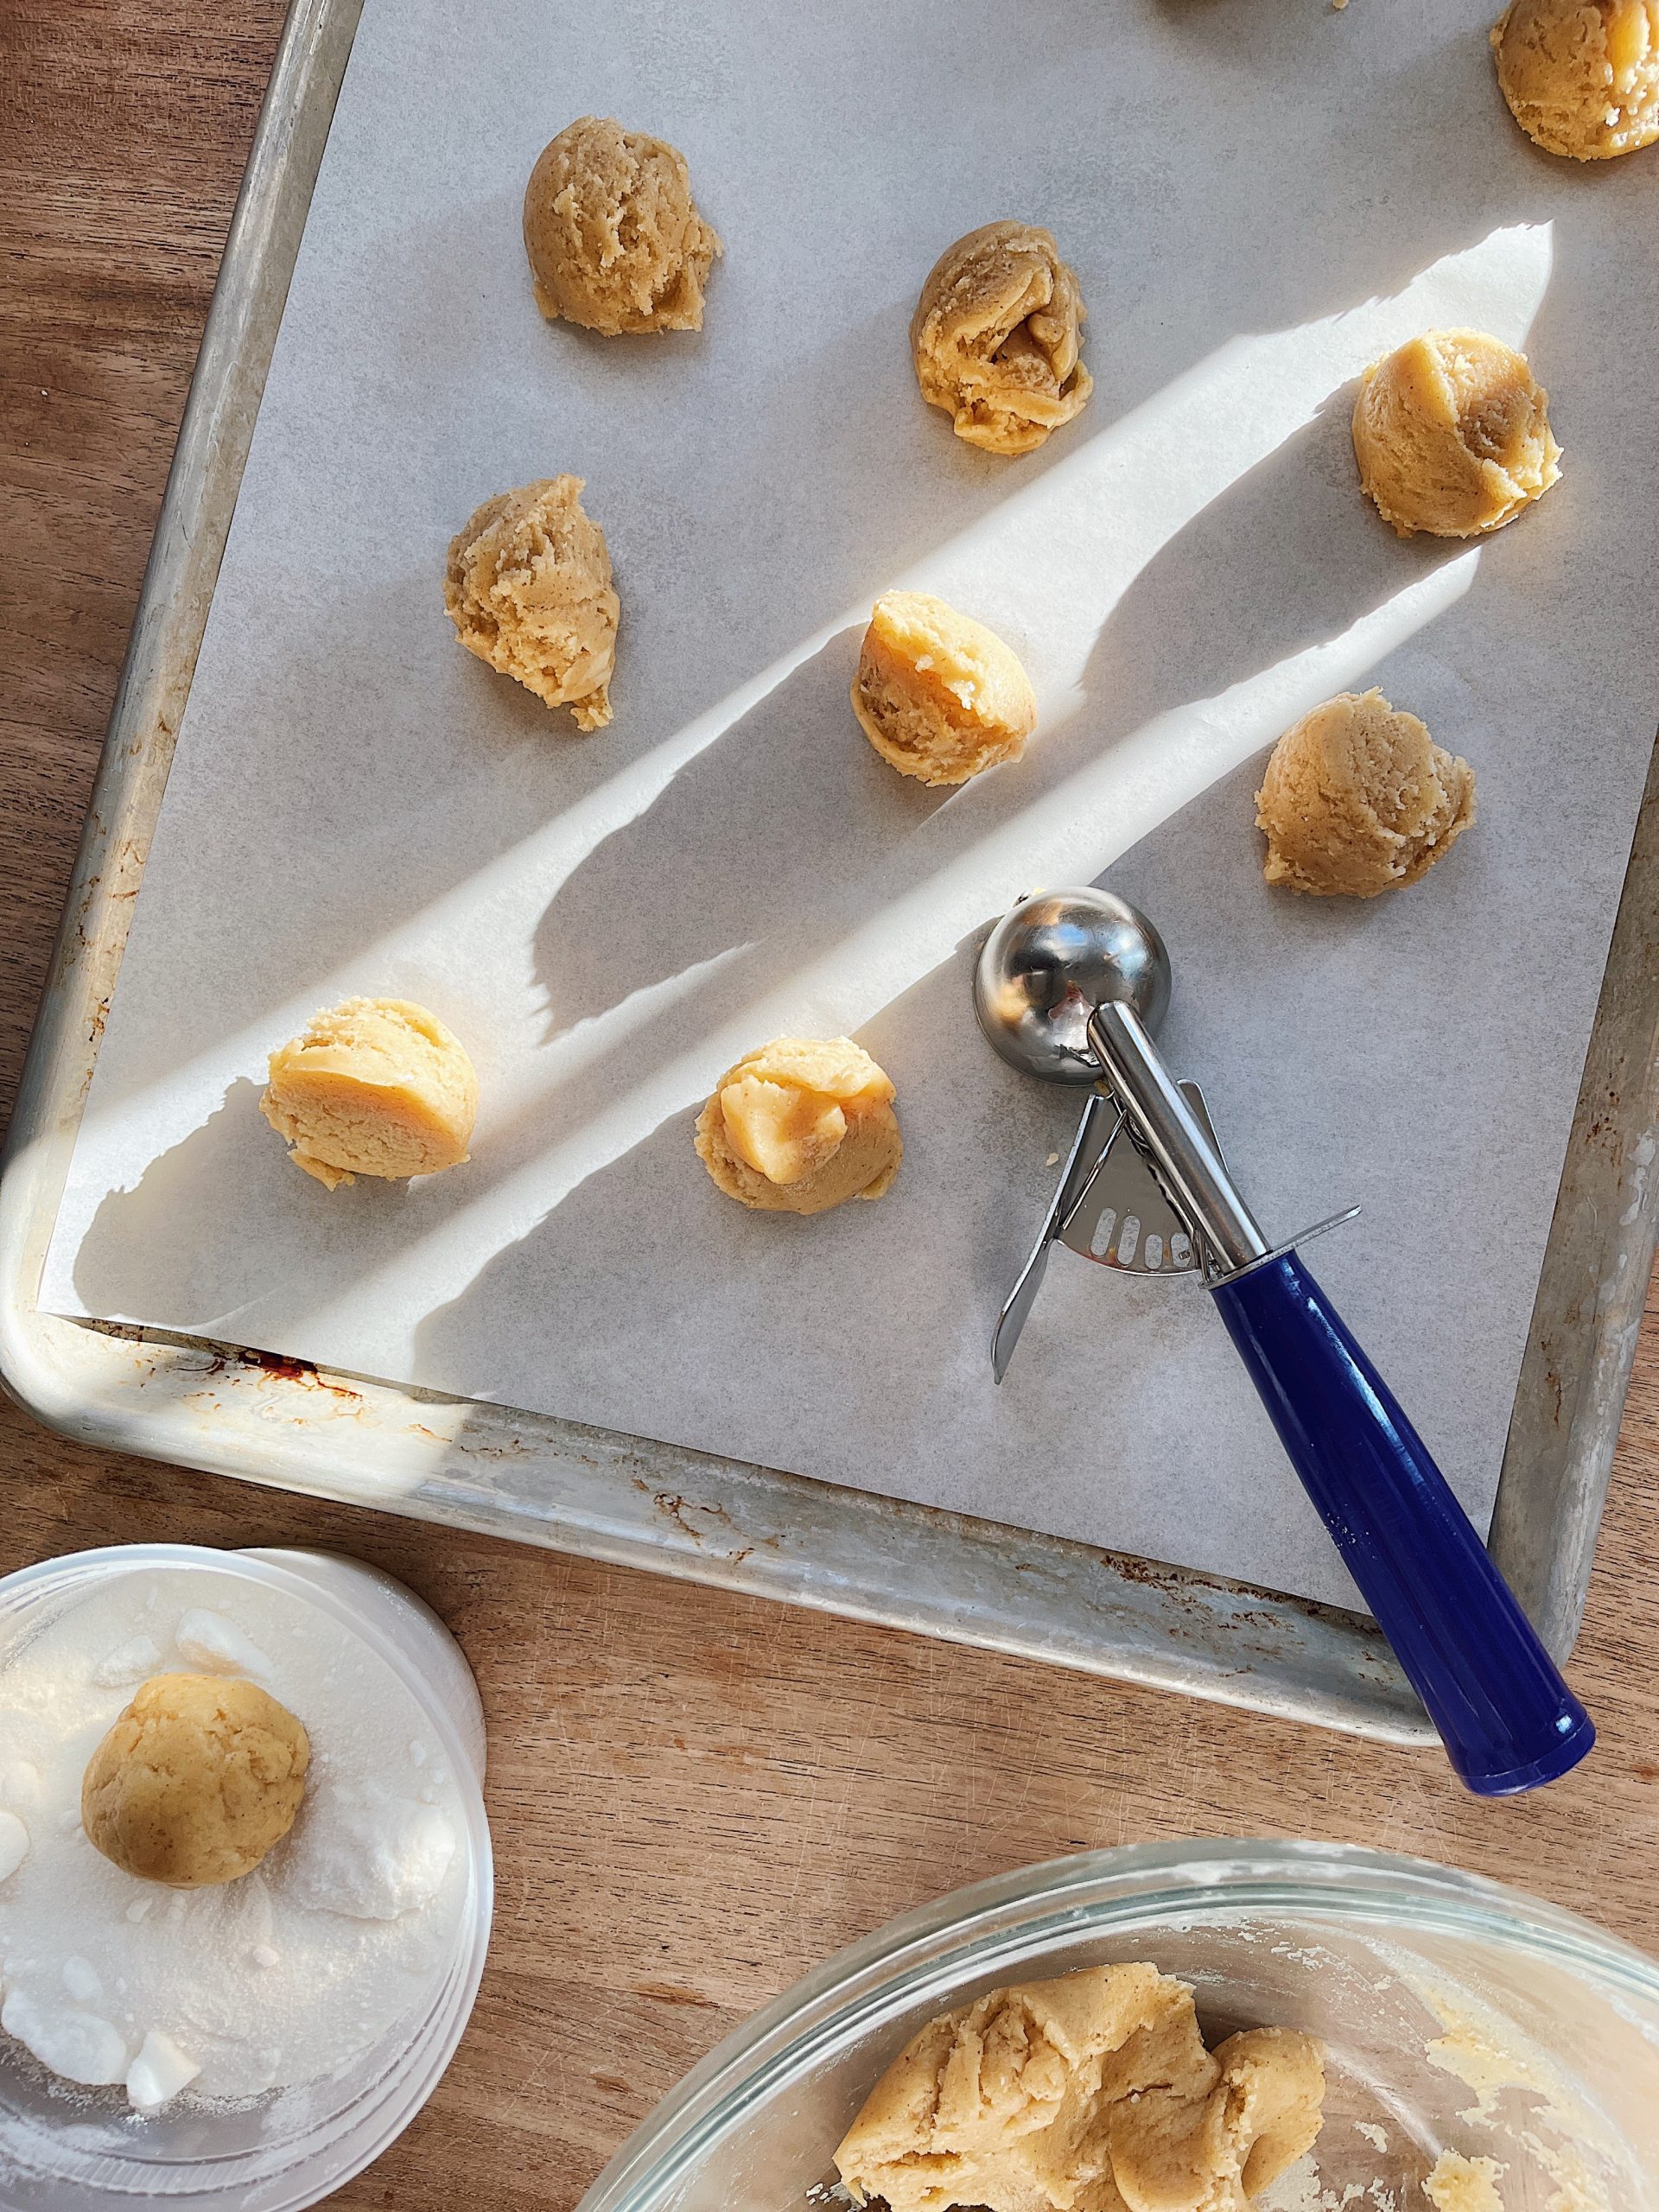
[(1259, 200)]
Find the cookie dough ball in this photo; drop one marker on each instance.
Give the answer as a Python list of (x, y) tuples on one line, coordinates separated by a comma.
[(994, 338), (800, 1126), (374, 1087), (1581, 77), (196, 1781), (1358, 797), (939, 695), (614, 238), (528, 587), (1452, 436)]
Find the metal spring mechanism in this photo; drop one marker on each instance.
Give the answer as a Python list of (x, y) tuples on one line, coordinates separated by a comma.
[(1175, 1140), (1069, 988)]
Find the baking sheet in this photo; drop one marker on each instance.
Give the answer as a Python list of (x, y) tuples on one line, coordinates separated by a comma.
[(1256, 208)]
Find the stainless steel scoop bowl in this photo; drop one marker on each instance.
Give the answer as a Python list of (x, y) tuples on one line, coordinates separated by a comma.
[(1050, 962)]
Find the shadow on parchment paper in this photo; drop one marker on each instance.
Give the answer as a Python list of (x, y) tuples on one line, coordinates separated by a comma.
[(671, 1245), (826, 1309), (1298, 517), (791, 806), (1157, 649), (294, 1248), (397, 862), (224, 1235), (145, 1251), (790, 788), (816, 1306)]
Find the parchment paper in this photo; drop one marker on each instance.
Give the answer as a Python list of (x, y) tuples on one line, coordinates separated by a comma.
[(1259, 200)]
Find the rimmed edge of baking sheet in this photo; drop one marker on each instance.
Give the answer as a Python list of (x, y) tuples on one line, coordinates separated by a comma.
[(505, 1472)]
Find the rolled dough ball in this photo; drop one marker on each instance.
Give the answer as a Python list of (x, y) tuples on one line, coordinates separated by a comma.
[(614, 238), (800, 1126), (528, 587), (374, 1087), (1358, 797), (939, 695), (1094, 2089), (1452, 436), (994, 338), (196, 1781), (1581, 77)]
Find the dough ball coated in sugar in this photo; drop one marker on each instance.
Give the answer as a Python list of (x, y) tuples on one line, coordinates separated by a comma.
[(1358, 797), (373, 1087), (1452, 436), (614, 238), (528, 587), (1581, 77), (196, 1781), (994, 338), (800, 1126), (939, 695)]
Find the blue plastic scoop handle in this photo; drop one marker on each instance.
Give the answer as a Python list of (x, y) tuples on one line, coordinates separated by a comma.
[(1508, 1720)]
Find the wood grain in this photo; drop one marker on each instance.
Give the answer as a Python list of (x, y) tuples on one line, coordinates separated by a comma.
[(694, 1797)]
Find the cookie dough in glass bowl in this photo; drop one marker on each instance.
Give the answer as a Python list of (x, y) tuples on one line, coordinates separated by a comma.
[(1460, 2021)]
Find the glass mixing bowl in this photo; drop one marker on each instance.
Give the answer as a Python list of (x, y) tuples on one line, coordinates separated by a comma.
[(1457, 2015)]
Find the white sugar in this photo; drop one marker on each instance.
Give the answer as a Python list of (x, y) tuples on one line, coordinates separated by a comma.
[(278, 1979), (14, 1845), (132, 1662)]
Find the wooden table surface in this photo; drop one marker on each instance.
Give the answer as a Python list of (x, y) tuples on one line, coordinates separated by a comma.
[(694, 1797)]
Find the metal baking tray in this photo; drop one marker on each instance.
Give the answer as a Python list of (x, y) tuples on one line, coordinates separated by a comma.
[(620, 1498)]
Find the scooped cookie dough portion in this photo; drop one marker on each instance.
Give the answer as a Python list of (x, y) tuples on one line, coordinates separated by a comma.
[(374, 1087), (1581, 77), (800, 1126), (1452, 436), (614, 238), (1357, 799), (939, 695), (528, 587), (196, 1781), (1093, 2090), (994, 338)]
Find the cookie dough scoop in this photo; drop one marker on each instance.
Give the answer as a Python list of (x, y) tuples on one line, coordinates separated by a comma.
[(1358, 800), (374, 1087), (994, 338), (1072, 986), (528, 586), (614, 237), (1451, 435), (1581, 77), (939, 696), (800, 1126)]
